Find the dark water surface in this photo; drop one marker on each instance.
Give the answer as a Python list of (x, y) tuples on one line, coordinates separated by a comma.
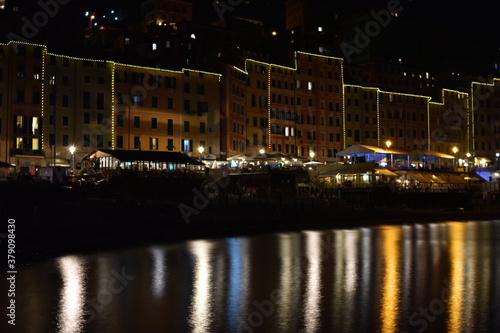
[(436, 277)]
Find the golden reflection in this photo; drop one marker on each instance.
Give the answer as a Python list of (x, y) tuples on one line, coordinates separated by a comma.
[(289, 277), (313, 281), (457, 254), (390, 284), (70, 318), (200, 317)]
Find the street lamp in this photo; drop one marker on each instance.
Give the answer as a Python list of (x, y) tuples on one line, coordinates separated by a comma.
[(201, 149), (312, 154), (262, 151), (455, 150), (388, 143), (498, 160), (72, 150)]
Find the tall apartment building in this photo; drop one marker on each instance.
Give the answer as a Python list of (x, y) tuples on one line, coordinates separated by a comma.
[(319, 104), (200, 115), (360, 116), (77, 106), (22, 98), (449, 121), (147, 108), (4, 90), (484, 123), (403, 120), (257, 110), (234, 125)]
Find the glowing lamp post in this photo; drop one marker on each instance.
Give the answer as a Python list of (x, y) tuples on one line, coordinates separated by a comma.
[(388, 144), (72, 150), (312, 154), (498, 160), (262, 151), (455, 151), (201, 149)]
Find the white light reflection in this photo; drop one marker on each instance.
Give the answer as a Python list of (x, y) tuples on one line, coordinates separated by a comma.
[(200, 317), (70, 318), (159, 272), (239, 272), (313, 287)]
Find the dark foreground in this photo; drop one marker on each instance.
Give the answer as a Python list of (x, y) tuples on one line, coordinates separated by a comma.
[(53, 221)]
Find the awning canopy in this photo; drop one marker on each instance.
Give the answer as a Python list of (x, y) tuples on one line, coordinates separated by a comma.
[(146, 156), (240, 157), (366, 149)]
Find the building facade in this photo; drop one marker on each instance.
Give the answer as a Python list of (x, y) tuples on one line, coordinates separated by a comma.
[(50, 102)]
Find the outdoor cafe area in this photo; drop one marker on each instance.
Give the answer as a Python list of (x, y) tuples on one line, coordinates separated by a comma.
[(368, 166)]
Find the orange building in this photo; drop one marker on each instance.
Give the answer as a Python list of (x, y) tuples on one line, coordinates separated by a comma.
[(319, 105), (403, 120), (22, 99), (147, 108), (234, 128)]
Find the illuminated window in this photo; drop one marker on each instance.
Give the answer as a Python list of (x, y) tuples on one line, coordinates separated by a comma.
[(19, 143), (153, 143), (309, 85), (287, 131), (154, 46), (34, 126), (320, 29)]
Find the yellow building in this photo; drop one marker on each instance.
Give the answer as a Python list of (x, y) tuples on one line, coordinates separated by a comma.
[(360, 116), (77, 107), (200, 113)]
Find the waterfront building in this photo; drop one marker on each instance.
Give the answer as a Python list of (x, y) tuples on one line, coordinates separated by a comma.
[(234, 129), (361, 116), (449, 120), (22, 100), (404, 121), (319, 94), (50, 102), (484, 122), (256, 108), (200, 115), (147, 108), (77, 107)]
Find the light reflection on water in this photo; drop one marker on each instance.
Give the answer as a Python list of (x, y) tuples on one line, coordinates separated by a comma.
[(359, 280), (70, 318)]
